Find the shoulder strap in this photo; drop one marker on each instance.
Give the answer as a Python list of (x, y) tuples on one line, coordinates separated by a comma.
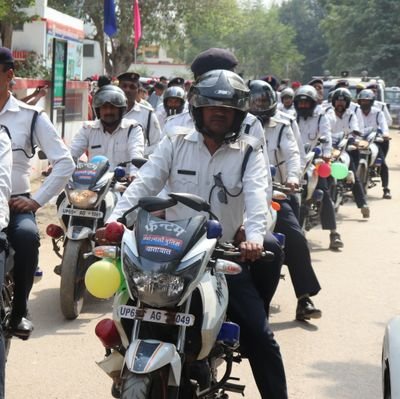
[(377, 115), (280, 136), (131, 128), (245, 160), (33, 123), (147, 136), (247, 128), (5, 128), (319, 121)]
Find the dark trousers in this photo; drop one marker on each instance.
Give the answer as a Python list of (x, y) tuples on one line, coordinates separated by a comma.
[(383, 151), (249, 294), (328, 217), (23, 235), (357, 189), (297, 254)]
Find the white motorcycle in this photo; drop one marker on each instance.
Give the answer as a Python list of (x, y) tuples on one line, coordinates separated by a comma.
[(169, 334), (89, 198), (391, 360)]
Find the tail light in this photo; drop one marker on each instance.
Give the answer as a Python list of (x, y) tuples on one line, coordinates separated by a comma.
[(108, 334), (54, 231)]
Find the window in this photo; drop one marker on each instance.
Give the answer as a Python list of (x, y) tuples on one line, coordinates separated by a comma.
[(88, 50)]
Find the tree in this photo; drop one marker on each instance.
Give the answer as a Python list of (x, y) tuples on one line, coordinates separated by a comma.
[(364, 35), (11, 14), (304, 16), (266, 46)]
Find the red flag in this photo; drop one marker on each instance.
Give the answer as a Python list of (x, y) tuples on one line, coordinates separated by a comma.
[(137, 26)]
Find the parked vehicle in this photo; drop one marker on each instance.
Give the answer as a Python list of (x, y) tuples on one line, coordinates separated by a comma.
[(88, 200), (391, 360), (169, 333), (392, 98)]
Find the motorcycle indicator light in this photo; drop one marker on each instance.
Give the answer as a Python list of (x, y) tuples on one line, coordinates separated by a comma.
[(229, 334), (214, 229), (108, 334), (54, 231), (281, 238), (318, 195), (114, 232), (119, 172), (106, 251), (227, 267)]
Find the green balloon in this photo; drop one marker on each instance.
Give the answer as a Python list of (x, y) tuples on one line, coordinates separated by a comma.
[(122, 286), (339, 170)]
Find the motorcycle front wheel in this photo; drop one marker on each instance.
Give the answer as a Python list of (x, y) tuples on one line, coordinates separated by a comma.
[(73, 269), (145, 386), (363, 176)]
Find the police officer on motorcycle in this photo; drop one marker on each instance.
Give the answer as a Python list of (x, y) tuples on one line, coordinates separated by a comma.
[(111, 135), (374, 118), (342, 119), (210, 158), (29, 127), (313, 125), (284, 154)]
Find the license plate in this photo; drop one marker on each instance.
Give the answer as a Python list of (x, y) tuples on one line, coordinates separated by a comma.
[(82, 213), (155, 316)]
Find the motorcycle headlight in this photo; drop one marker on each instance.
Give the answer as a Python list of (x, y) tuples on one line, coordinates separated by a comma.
[(153, 285), (84, 199)]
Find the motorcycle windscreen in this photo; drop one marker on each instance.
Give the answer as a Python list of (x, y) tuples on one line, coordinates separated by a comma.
[(165, 241), (87, 174)]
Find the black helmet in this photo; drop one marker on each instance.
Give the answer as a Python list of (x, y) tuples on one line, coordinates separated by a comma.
[(305, 93), (109, 94), (174, 92), (219, 88), (341, 94), (263, 101)]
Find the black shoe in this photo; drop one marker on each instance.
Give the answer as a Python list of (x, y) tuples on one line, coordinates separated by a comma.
[(335, 241), (306, 310), (20, 327), (386, 193), (57, 270)]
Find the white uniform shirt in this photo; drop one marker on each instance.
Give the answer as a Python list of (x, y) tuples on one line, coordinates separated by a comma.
[(376, 120), (162, 115), (296, 132), (5, 178), (150, 125), (314, 127), (283, 150), (346, 123), (291, 110), (251, 126), (383, 107), (354, 107), (117, 147), (17, 117), (184, 162)]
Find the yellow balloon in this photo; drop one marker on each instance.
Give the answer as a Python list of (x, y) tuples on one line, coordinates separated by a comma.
[(102, 279)]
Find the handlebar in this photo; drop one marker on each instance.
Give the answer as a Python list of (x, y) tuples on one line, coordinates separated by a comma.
[(235, 254)]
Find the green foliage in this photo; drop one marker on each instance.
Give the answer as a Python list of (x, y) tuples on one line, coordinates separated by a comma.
[(32, 67), (364, 35), (304, 17)]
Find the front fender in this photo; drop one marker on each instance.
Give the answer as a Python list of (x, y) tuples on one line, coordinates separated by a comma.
[(391, 354), (145, 356), (75, 233)]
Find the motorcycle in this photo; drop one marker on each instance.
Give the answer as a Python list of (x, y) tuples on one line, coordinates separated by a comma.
[(368, 170), (391, 360), (340, 188), (89, 198), (311, 197), (168, 332)]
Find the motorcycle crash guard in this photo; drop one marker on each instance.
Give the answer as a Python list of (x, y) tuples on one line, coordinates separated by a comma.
[(78, 232), (146, 356)]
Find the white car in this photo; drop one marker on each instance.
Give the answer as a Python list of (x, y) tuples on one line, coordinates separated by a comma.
[(391, 360)]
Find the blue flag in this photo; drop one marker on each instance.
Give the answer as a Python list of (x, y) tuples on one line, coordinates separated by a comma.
[(110, 22)]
